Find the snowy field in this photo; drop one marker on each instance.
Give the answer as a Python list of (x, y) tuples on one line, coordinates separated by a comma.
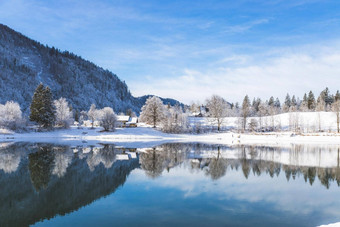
[(147, 136), (307, 122)]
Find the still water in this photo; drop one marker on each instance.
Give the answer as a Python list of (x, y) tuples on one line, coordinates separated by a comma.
[(172, 184)]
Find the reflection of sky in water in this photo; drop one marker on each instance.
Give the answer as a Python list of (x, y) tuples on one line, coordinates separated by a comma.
[(179, 197), (177, 185)]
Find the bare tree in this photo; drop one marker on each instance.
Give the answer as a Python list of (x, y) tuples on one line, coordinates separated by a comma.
[(92, 114), (245, 111), (108, 118), (11, 115), (153, 112), (218, 109), (175, 121), (336, 109), (63, 113)]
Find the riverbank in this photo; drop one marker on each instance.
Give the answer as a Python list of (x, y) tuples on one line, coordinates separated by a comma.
[(152, 137)]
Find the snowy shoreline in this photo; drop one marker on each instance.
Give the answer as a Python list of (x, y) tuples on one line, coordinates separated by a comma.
[(144, 136)]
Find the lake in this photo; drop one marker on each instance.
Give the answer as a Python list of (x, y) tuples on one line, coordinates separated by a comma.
[(169, 185)]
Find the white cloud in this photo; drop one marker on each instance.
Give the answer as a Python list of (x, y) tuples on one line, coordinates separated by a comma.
[(296, 72), (240, 28)]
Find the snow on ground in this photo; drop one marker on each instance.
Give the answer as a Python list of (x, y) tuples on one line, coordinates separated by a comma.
[(331, 225), (144, 136), (306, 121)]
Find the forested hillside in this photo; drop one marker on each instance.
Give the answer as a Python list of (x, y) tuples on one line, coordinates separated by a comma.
[(24, 63)]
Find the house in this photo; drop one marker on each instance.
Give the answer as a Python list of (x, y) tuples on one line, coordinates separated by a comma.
[(203, 110), (133, 122), (126, 121)]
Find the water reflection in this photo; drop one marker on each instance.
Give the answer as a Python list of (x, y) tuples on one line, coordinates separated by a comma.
[(53, 180), (40, 181), (296, 160)]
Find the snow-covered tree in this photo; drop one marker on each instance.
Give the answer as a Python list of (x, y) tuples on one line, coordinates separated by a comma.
[(293, 104), (263, 111), (108, 118), (93, 114), (336, 109), (245, 111), (255, 105), (63, 113), (175, 120), (153, 112), (82, 117), (320, 104), (11, 116), (218, 109)]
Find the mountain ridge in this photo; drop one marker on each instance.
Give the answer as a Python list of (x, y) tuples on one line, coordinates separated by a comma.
[(24, 63)]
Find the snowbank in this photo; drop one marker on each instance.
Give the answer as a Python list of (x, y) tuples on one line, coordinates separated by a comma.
[(151, 137), (331, 225)]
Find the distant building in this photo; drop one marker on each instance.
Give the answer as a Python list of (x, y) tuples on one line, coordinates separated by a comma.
[(202, 112), (126, 121)]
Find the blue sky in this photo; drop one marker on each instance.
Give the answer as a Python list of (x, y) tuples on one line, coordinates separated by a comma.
[(189, 50)]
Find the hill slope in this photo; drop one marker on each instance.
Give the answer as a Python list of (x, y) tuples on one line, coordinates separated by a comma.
[(24, 63)]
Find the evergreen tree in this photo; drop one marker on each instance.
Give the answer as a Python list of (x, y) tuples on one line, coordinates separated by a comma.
[(305, 99), (287, 103), (42, 109), (37, 106), (337, 96), (311, 101), (277, 103), (294, 102), (271, 101), (49, 110), (327, 98), (256, 104)]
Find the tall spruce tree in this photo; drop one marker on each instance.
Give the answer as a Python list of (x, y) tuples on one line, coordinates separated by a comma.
[(311, 101), (42, 109), (49, 114), (337, 96), (277, 103), (271, 101), (287, 103), (37, 106)]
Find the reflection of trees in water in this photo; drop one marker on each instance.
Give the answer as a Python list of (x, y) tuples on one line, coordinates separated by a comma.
[(64, 183), (217, 166), (62, 159), (155, 160), (105, 155), (152, 162), (10, 156), (251, 159), (40, 165)]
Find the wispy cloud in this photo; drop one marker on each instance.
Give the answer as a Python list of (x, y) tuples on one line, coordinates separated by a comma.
[(241, 28), (295, 73)]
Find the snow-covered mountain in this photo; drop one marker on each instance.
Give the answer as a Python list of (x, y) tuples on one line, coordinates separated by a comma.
[(24, 63)]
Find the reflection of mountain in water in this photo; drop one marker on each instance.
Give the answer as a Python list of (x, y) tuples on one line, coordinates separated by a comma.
[(307, 161), (39, 181), (55, 180)]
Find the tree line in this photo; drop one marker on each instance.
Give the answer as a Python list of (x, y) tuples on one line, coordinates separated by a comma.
[(48, 113)]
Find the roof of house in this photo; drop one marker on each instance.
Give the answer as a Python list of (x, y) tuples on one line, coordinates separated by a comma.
[(133, 120), (123, 118)]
